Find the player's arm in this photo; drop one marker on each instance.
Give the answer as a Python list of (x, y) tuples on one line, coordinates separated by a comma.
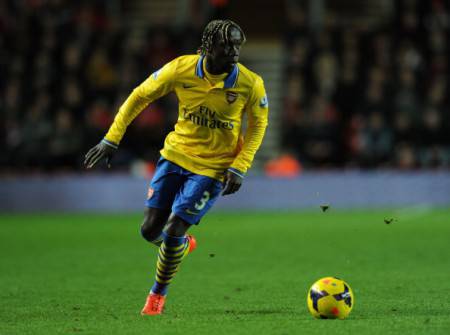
[(257, 113), (157, 85)]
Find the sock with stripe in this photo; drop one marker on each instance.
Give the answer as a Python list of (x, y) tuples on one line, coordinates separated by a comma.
[(171, 253)]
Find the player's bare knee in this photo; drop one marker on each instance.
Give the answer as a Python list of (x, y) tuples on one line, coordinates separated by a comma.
[(148, 232), (153, 223)]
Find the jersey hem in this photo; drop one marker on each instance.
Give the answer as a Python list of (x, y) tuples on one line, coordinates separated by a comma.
[(180, 159)]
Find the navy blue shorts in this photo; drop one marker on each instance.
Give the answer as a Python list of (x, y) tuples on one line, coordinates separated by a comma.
[(187, 194)]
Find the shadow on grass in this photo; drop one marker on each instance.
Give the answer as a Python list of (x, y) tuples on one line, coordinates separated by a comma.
[(254, 312)]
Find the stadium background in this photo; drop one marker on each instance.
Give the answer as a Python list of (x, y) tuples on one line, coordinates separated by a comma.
[(359, 122), (356, 89)]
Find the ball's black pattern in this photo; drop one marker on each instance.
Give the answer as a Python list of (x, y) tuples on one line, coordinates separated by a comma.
[(315, 296), (344, 296)]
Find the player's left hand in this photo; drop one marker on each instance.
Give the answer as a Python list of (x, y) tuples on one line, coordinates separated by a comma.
[(231, 183)]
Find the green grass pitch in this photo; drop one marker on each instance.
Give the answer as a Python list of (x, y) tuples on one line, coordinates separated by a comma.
[(89, 274)]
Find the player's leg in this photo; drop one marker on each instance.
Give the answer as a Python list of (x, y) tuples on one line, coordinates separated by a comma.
[(154, 221), (163, 188), (174, 247), (176, 226), (194, 199)]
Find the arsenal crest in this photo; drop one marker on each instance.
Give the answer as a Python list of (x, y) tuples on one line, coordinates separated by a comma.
[(150, 193), (231, 97)]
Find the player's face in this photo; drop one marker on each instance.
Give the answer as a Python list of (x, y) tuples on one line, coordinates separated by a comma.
[(224, 55)]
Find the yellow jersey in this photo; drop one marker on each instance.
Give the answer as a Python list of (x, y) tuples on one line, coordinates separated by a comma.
[(208, 137)]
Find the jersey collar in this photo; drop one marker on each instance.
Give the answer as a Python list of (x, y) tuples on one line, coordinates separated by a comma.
[(229, 81)]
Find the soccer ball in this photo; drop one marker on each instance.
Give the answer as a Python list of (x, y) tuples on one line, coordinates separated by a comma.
[(330, 298)]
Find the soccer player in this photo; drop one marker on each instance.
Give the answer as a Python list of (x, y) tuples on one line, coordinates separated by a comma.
[(206, 153)]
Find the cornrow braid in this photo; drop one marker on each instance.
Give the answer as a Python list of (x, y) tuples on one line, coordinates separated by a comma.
[(212, 28)]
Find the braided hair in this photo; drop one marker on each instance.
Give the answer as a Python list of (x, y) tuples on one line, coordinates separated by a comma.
[(214, 27)]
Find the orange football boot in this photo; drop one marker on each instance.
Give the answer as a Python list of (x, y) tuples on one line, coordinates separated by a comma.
[(192, 243), (154, 304)]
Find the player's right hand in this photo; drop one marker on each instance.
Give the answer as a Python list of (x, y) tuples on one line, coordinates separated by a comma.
[(97, 153)]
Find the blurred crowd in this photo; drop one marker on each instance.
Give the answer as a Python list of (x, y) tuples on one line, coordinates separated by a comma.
[(355, 96), (68, 67), (369, 96)]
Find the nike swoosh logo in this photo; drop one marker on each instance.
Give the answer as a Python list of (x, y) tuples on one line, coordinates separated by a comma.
[(190, 212), (188, 86)]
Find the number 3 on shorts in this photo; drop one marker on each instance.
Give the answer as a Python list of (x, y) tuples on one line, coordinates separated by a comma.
[(199, 205)]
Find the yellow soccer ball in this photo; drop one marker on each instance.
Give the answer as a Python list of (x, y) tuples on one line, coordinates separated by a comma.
[(330, 298)]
